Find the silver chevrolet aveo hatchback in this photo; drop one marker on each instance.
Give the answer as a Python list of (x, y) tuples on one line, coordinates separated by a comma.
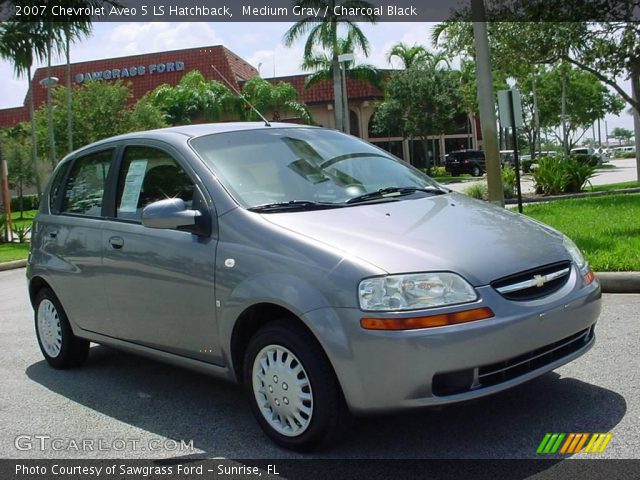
[(325, 275)]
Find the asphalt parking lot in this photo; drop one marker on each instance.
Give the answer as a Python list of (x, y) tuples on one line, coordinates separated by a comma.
[(145, 407)]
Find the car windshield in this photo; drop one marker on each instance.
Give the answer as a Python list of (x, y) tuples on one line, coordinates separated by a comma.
[(304, 167)]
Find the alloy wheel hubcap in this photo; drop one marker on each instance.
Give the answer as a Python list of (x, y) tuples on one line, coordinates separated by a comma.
[(49, 328), (282, 390)]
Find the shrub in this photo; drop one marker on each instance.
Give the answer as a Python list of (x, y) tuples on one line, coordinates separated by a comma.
[(586, 159), (509, 181), (561, 175), (21, 232), (29, 202), (438, 171), (526, 165), (577, 175), (627, 155), (477, 190)]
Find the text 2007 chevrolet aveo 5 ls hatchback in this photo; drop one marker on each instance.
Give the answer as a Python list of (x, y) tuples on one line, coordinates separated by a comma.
[(321, 272)]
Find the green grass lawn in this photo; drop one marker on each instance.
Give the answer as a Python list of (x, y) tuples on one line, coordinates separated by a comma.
[(607, 229), (450, 179), (612, 186), (13, 251), (17, 251), (27, 219)]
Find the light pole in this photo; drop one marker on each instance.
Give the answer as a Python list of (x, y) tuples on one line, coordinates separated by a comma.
[(342, 60), (49, 83)]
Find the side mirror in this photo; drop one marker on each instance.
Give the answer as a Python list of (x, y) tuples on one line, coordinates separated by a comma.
[(170, 213)]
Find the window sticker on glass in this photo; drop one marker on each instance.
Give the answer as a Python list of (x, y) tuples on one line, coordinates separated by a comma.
[(133, 186)]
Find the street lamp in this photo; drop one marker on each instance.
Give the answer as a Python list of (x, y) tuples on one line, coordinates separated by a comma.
[(342, 60), (49, 83)]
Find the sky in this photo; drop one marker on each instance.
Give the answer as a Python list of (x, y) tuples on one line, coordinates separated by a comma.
[(258, 43)]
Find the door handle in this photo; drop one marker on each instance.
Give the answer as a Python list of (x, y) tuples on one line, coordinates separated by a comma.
[(53, 234), (116, 243)]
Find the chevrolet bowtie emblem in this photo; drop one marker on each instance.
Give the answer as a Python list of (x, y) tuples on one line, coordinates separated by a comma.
[(538, 280)]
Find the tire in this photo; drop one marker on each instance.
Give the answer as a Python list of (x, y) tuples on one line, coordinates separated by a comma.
[(60, 347), (279, 354), (476, 171)]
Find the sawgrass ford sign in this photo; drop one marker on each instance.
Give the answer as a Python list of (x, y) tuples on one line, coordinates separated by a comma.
[(135, 71)]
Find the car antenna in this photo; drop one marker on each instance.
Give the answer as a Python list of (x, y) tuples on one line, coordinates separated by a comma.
[(266, 122)]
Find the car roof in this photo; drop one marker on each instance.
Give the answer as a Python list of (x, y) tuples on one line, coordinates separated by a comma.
[(192, 131)]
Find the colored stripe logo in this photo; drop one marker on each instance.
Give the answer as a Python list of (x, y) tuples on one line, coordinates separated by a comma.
[(572, 443)]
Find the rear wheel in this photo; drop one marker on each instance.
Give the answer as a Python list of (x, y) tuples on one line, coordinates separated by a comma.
[(292, 388), (476, 171), (60, 347)]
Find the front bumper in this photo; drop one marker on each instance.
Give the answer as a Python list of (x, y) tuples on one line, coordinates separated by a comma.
[(383, 370)]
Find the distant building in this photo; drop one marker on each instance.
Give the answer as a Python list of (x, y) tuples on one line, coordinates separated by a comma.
[(147, 71)]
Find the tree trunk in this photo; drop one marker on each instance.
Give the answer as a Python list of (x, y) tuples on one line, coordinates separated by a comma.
[(563, 113), (52, 141), (635, 91), (69, 112), (536, 119), (34, 146), (487, 104), (337, 94)]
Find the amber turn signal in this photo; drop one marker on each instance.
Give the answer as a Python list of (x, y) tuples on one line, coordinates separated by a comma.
[(588, 277), (440, 320)]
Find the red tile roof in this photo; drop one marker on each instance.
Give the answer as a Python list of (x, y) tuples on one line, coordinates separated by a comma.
[(322, 92)]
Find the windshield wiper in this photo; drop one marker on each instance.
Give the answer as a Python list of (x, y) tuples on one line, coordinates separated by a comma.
[(393, 192), (292, 206)]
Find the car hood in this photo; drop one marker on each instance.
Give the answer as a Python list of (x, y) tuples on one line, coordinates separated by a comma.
[(450, 232)]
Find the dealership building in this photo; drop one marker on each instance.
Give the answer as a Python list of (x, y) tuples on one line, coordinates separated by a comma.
[(148, 71)]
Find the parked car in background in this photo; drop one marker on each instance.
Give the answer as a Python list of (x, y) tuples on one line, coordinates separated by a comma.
[(590, 155), (619, 152), (466, 161), (325, 275)]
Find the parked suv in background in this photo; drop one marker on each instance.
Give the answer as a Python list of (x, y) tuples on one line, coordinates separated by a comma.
[(465, 161), (317, 270)]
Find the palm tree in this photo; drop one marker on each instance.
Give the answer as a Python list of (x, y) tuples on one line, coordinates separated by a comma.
[(194, 98), (54, 42), (406, 54), (322, 32), (21, 43), (268, 97), (72, 31), (322, 66)]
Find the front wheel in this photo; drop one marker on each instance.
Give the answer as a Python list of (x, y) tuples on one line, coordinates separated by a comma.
[(476, 171), (60, 347), (292, 388)]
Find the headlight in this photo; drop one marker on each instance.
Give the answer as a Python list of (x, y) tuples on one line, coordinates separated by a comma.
[(574, 252), (414, 291)]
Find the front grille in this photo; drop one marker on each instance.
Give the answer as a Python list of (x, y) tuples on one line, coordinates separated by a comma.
[(461, 381), (535, 283)]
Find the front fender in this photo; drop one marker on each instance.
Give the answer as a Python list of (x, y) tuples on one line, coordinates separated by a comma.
[(285, 290)]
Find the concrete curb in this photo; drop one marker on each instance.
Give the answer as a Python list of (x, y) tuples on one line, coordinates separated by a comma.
[(619, 282), (12, 265), (611, 282)]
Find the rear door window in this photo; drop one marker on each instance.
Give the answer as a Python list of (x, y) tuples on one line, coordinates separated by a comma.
[(85, 188)]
